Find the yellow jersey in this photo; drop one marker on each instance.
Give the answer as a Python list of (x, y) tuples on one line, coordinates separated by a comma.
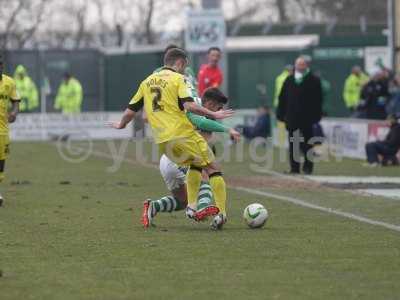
[(8, 92), (162, 95)]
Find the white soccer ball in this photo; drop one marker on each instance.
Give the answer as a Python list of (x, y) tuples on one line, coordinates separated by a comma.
[(255, 215)]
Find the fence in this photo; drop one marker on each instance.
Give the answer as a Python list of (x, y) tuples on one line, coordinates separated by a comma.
[(85, 65), (109, 80)]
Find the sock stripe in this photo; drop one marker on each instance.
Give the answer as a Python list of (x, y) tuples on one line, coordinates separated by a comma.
[(154, 208), (204, 196), (205, 192), (204, 201), (163, 204), (205, 188), (166, 204), (169, 204), (174, 204)]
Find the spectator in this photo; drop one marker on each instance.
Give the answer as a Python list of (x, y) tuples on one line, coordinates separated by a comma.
[(26, 89), (279, 81), (262, 126), (375, 96), (326, 90), (210, 74), (387, 148), (352, 88), (393, 106), (300, 107), (69, 95)]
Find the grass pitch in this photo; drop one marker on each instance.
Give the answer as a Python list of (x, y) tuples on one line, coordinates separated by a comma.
[(72, 231)]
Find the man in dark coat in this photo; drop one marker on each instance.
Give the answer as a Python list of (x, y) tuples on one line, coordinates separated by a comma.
[(386, 148), (300, 107), (374, 97)]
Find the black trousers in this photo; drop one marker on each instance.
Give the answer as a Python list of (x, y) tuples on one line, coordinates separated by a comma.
[(298, 147), (378, 148)]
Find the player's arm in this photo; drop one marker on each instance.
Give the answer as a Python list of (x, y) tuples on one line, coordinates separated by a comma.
[(15, 99), (187, 102), (205, 124), (191, 106), (12, 115), (135, 105), (127, 117)]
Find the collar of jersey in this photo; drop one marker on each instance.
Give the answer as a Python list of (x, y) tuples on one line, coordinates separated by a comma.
[(168, 68)]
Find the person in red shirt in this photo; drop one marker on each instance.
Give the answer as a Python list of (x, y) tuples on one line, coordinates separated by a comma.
[(210, 74)]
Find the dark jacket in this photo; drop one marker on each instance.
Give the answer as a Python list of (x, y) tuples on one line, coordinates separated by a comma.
[(262, 128), (300, 105), (374, 97), (392, 140)]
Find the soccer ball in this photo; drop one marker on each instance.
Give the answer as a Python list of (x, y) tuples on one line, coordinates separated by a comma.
[(255, 215)]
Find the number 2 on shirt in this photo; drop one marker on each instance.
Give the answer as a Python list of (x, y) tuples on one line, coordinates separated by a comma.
[(156, 91)]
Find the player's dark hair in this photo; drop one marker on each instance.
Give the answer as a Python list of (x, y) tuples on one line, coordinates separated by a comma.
[(171, 46), (214, 94), (173, 55), (214, 49)]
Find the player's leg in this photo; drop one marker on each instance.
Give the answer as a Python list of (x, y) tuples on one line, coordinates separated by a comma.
[(194, 190), (192, 151), (193, 181), (205, 197), (2, 164), (205, 159), (4, 150), (174, 178), (218, 187)]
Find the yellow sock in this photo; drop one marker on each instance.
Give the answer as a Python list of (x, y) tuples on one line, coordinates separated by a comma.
[(193, 181), (218, 187), (1, 176)]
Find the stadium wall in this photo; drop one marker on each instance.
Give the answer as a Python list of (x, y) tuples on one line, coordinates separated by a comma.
[(251, 74), (110, 79), (50, 66)]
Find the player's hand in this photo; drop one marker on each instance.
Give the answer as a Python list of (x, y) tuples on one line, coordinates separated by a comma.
[(115, 125), (222, 114), (12, 117), (235, 135)]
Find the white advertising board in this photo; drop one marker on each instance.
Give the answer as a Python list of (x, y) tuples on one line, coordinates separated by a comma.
[(43, 127), (346, 137), (205, 29), (376, 58)]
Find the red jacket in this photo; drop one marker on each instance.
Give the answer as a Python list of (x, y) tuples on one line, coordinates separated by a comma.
[(209, 77)]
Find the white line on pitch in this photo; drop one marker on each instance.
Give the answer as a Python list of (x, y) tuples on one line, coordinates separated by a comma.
[(354, 179), (279, 197), (320, 208)]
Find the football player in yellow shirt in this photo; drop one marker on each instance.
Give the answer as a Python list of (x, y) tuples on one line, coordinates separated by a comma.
[(8, 93), (166, 98)]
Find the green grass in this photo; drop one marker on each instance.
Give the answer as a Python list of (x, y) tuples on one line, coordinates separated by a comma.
[(82, 240)]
